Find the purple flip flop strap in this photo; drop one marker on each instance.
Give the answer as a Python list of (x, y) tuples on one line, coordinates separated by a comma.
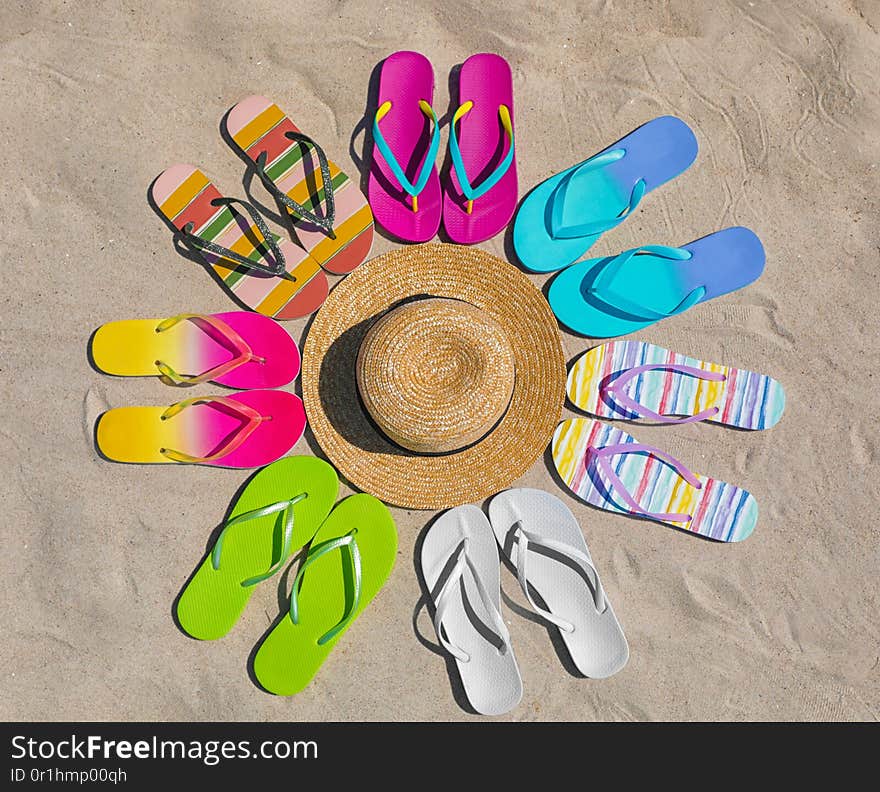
[(615, 389), (601, 457)]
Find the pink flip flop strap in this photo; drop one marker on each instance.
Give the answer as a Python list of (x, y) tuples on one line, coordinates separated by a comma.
[(615, 388), (241, 349), (251, 419), (601, 457)]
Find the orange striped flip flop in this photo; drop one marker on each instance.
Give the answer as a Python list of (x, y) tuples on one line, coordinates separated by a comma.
[(257, 268), (330, 214)]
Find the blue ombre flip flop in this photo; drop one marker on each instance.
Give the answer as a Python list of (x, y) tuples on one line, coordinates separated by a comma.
[(563, 216), (612, 296)]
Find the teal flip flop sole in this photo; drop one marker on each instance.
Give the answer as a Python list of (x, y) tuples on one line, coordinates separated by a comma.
[(612, 296)]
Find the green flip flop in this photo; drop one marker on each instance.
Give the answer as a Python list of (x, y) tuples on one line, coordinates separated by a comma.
[(349, 560), (274, 516)]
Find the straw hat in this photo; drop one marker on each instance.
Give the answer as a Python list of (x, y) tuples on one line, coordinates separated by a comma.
[(433, 376)]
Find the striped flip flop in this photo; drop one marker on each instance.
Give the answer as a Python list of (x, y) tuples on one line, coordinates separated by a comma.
[(257, 268), (632, 379), (611, 470), (335, 225)]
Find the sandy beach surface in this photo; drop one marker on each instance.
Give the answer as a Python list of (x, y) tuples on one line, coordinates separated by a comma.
[(98, 98)]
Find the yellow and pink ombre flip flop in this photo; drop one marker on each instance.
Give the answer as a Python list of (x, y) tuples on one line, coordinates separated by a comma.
[(330, 214), (237, 349), (244, 430), (257, 269)]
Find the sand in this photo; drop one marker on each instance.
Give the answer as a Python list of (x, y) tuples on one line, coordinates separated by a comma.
[(98, 98)]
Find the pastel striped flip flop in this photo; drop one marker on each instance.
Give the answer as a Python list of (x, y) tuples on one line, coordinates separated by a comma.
[(274, 515), (403, 186), (616, 295), (565, 215), (259, 270), (348, 562), (635, 380), (247, 429), (237, 349), (481, 189), (611, 470), (331, 217)]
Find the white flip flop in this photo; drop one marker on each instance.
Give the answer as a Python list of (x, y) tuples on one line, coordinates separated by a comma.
[(462, 570), (543, 541)]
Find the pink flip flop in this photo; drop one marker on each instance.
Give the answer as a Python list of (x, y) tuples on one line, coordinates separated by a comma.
[(237, 349), (481, 190), (248, 429), (258, 269), (403, 187)]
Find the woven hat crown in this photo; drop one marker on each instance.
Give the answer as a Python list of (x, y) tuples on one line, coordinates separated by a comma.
[(436, 374)]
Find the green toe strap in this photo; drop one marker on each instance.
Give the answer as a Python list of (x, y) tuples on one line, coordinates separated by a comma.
[(349, 543), (274, 508)]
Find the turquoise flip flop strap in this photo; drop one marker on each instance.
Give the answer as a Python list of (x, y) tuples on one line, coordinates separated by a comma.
[(273, 508), (325, 222), (471, 192), (602, 290), (348, 543), (388, 154), (278, 265), (558, 230)]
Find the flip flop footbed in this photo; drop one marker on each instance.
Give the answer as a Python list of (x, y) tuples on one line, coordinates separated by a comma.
[(599, 299), (258, 126), (744, 399), (185, 195), (214, 598), (486, 80), (134, 347), (291, 654), (139, 434), (406, 79), (718, 510), (568, 588), (490, 675), (656, 152)]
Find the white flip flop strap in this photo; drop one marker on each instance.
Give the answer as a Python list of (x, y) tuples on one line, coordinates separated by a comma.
[(524, 538), (445, 596)]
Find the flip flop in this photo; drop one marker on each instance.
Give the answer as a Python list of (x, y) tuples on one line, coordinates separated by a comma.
[(295, 170), (632, 380), (543, 541), (348, 562), (604, 297), (244, 430), (236, 349), (611, 470), (276, 514), (481, 189), (259, 270), (403, 186), (564, 216), (463, 575)]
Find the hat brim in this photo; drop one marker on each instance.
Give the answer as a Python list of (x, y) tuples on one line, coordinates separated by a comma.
[(343, 428)]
